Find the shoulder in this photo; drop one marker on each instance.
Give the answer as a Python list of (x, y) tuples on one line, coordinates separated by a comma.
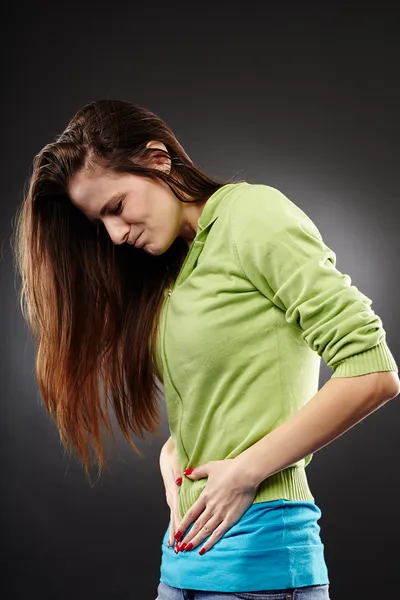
[(265, 210)]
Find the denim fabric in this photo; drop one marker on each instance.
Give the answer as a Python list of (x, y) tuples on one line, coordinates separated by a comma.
[(311, 592)]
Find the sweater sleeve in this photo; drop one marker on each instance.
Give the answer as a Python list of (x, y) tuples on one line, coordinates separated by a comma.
[(281, 251)]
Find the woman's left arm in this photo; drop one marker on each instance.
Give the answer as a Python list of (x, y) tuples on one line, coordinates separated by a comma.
[(339, 405), (283, 254), (232, 484)]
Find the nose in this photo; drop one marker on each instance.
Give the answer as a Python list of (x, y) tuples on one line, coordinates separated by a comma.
[(118, 232)]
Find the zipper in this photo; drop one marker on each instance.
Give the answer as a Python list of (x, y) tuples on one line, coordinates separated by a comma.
[(164, 357), (197, 243), (192, 256)]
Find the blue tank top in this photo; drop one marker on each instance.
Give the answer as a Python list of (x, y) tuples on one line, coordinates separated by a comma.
[(275, 545)]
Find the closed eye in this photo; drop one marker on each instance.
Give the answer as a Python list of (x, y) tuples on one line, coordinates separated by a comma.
[(117, 209), (114, 211)]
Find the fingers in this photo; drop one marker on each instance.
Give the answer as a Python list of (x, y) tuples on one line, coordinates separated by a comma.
[(171, 473), (213, 529), (171, 530), (174, 513), (175, 519)]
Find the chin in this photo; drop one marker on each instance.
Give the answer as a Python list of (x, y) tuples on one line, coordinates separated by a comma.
[(152, 251), (149, 249), (155, 250)]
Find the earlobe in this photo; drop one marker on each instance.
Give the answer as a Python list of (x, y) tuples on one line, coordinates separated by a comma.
[(161, 161)]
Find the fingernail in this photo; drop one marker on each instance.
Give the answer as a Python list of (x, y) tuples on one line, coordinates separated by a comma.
[(178, 535), (188, 471), (178, 481), (202, 551), (182, 546), (169, 544), (189, 546)]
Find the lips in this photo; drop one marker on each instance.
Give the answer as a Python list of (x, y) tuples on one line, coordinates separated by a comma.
[(136, 242)]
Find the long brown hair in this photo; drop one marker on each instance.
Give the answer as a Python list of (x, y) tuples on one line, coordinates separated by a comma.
[(92, 306)]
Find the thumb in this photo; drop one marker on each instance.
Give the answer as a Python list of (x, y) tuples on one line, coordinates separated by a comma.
[(176, 470), (177, 476), (197, 473)]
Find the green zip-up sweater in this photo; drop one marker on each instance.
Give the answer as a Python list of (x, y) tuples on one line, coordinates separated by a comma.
[(257, 303)]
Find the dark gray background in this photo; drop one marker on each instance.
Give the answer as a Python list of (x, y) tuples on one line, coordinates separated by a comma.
[(302, 98)]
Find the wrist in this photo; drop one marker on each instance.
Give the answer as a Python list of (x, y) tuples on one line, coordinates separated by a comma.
[(247, 474)]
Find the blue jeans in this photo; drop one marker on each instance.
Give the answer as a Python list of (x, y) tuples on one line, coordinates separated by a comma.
[(310, 592)]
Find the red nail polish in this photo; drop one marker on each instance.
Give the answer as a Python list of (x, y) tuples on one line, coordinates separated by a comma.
[(202, 551), (178, 535), (169, 544), (188, 471), (182, 546), (178, 481), (189, 546)]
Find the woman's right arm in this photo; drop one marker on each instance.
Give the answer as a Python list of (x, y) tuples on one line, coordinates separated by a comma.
[(170, 471)]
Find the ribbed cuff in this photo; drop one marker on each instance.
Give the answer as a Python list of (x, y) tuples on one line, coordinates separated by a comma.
[(290, 484), (378, 358)]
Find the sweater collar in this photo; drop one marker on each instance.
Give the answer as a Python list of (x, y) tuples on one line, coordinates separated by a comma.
[(209, 215), (212, 207)]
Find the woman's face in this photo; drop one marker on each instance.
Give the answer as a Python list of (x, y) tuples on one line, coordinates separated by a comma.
[(132, 207)]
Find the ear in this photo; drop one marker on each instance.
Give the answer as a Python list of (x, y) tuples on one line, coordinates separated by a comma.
[(160, 160)]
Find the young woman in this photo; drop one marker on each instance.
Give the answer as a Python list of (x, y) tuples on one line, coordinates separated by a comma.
[(138, 268)]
